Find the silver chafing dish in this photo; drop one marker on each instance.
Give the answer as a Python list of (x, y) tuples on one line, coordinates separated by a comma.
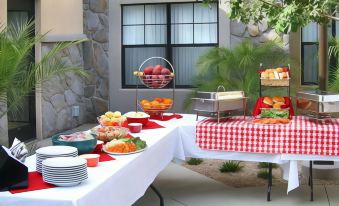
[(318, 103), (217, 102)]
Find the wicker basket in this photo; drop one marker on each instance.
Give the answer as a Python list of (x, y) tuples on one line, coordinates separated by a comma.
[(275, 82)]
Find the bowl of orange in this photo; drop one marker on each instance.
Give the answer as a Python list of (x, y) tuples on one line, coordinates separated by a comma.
[(156, 105)]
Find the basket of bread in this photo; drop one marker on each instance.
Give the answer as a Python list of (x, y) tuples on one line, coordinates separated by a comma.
[(273, 110), (275, 77)]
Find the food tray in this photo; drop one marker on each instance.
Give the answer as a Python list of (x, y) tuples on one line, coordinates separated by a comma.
[(275, 82), (318, 102)]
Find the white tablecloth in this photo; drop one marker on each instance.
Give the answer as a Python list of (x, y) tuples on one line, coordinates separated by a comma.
[(123, 181)]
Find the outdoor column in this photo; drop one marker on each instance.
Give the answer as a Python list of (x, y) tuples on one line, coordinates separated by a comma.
[(323, 47)]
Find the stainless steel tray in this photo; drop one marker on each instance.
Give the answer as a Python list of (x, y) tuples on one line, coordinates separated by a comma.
[(212, 105), (318, 101), (319, 96)]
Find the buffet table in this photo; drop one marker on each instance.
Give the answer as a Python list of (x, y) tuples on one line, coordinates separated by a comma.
[(123, 181)]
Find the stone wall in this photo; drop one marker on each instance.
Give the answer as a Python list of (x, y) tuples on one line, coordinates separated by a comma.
[(96, 53), (61, 93), (257, 33), (3, 126)]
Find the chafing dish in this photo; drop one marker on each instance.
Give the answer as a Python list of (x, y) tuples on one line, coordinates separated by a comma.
[(318, 103), (217, 102)]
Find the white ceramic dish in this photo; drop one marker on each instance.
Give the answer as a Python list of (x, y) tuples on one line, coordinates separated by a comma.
[(56, 150), (64, 162), (116, 153)]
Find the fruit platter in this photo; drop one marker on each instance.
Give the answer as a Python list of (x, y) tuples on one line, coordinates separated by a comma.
[(156, 105), (155, 76), (125, 146), (108, 133), (111, 119)]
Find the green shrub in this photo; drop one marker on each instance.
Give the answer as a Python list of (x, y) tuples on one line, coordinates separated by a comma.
[(231, 166), (194, 161), (265, 165)]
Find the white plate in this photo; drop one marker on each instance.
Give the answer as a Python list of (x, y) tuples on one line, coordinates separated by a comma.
[(64, 168), (64, 162), (56, 150), (116, 153), (76, 179), (65, 180), (63, 173), (65, 184), (60, 155)]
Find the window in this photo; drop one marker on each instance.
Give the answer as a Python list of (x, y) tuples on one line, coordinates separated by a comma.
[(309, 51), (179, 32)]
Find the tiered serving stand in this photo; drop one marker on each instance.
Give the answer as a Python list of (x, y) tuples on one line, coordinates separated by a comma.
[(275, 83), (154, 82)]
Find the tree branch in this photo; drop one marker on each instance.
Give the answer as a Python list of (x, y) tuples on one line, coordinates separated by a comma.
[(331, 17), (268, 3)]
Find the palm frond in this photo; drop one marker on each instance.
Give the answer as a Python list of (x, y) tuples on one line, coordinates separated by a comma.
[(236, 69), (19, 75)]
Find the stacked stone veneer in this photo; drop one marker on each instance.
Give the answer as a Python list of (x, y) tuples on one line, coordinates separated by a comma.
[(96, 53), (61, 93), (257, 33)]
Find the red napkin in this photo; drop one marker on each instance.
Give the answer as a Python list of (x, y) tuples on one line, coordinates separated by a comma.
[(152, 125), (35, 182), (103, 156), (166, 117), (260, 104)]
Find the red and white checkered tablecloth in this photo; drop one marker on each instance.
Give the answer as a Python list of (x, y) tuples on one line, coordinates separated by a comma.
[(301, 136)]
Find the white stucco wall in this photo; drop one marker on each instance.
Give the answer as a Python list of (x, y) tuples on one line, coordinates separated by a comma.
[(124, 99)]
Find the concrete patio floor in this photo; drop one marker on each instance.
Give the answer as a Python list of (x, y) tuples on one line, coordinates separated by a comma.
[(183, 187)]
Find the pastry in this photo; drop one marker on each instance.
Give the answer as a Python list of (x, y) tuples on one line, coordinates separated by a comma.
[(278, 99), (278, 105), (268, 101)]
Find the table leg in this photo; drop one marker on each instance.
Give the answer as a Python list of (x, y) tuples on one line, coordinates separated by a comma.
[(158, 194), (269, 187), (310, 179)]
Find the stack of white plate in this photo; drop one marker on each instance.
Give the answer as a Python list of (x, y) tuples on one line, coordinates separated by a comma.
[(54, 151), (64, 171)]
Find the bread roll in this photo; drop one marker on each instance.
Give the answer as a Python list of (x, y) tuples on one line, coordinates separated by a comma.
[(268, 101), (278, 99)]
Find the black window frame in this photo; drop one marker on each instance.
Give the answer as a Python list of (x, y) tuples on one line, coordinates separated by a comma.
[(302, 47), (168, 45)]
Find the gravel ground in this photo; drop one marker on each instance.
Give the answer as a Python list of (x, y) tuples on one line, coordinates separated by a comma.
[(247, 177)]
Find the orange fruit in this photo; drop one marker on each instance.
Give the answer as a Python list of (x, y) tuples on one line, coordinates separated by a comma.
[(146, 105), (154, 104), (162, 106), (158, 99), (167, 101), (142, 102)]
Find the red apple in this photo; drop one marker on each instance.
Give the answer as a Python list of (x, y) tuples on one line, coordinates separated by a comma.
[(148, 70), (157, 69), (165, 71)]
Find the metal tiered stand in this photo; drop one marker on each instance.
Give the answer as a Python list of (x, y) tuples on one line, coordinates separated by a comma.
[(276, 83), (154, 82)]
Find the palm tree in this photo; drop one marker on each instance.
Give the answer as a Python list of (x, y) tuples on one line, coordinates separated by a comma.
[(18, 75), (236, 68)]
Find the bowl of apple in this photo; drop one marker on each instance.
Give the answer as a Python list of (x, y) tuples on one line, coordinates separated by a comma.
[(155, 76)]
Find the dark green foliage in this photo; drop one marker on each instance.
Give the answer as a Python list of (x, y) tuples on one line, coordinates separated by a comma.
[(236, 68), (194, 161), (231, 166)]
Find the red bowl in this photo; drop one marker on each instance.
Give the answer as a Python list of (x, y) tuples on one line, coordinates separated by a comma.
[(142, 120), (135, 127)]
